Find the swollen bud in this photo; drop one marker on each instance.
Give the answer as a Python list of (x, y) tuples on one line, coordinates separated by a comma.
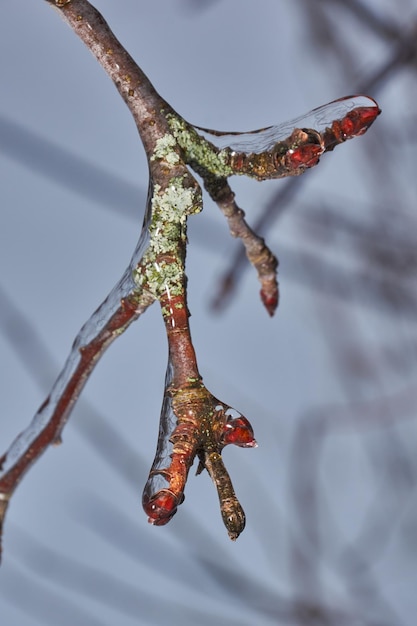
[(239, 432)]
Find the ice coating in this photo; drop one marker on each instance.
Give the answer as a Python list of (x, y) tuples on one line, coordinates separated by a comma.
[(158, 477), (264, 139), (182, 437)]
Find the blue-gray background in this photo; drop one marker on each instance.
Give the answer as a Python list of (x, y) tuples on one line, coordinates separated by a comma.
[(328, 383)]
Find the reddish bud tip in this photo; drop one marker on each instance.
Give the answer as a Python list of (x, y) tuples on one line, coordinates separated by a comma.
[(239, 432), (161, 507), (270, 301), (304, 156), (358, 121)]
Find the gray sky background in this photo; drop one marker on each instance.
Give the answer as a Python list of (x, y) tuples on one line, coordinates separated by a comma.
[(73, 181)]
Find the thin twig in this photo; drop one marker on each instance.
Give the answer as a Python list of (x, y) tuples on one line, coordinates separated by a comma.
[(272, 211), (258, 253)]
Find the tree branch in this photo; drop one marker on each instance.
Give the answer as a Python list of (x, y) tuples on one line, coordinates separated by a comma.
[(193, 422)]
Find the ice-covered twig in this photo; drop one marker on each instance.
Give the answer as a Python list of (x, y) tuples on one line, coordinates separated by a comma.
[(193, 423), (124, 304)]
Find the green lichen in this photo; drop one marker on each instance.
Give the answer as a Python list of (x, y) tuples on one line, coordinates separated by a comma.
[(198, 150), (165, 311), (165, 149), (162, 278), (162, 267), (176, 202)]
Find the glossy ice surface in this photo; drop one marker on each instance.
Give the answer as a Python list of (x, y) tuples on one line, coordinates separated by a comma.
[(354, 113)]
